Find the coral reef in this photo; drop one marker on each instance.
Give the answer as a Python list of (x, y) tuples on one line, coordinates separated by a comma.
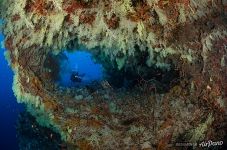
[(128, 37), (33, 136)]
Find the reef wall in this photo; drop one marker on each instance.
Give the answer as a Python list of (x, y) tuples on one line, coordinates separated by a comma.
[(189, 36)]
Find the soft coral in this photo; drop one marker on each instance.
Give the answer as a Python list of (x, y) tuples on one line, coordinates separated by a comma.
[(74, 5)]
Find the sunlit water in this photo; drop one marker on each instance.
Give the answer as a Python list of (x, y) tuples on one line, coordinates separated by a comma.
[(82, 63)]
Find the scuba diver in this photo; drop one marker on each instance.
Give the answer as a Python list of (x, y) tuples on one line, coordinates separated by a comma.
[(76, 77)]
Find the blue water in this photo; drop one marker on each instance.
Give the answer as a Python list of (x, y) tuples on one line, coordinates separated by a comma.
[(9, 108), (81, 62)]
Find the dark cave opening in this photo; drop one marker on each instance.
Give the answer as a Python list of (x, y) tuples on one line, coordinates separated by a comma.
[(136, 72), (161, 80), (84, 69)]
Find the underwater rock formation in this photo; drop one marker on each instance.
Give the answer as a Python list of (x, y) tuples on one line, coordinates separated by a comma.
[(33, 136), (189, 36)]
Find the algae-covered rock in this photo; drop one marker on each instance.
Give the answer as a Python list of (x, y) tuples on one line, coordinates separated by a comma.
[(163, 59)]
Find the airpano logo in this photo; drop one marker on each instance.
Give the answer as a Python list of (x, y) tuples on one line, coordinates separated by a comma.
[(210, 143)]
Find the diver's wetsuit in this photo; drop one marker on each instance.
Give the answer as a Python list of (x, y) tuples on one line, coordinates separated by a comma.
[(75, 77)]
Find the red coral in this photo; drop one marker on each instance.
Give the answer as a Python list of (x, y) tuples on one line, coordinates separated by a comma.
[(9, 43), (142, 13), (185, 2), (15, 17), (74, 6), (87, 18), (113, 22), (164, 3), (39, 7), (172, 13), (68, 19)]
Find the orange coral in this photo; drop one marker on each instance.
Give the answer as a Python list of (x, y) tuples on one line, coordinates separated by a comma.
[(142, 13), (51, 104), (36, 84), (163, 143), (84, 145), (37, 6), (113, 22), (166, 124), (73, 5), (87, 18), (94, 123), (166, 3), (16, 17), (9, 43)]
